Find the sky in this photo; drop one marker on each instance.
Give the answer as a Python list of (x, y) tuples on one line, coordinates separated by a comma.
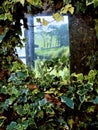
[(50, 20)]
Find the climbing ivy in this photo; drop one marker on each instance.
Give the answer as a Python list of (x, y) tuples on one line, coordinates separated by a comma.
[(48, 101)]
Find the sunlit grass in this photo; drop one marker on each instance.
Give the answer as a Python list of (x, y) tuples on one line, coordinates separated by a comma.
[(53, 52)]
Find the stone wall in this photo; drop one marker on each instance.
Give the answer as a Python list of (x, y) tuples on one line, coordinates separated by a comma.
[(82, 43)]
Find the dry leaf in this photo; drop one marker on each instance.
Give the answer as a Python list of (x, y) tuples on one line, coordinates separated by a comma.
[(52, 99), (1, 30), (32, 86)]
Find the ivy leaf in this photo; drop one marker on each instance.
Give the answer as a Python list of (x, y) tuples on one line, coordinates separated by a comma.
[(12, 125), (88, 2), (3, 17), (38, 20), (66, 2), (82, 98), (30, 1), (40, 114), (8, 16), (63, 10), (35, 91), (71, 10), (12, 77), (2, 118), (43, 102), (44, 22), (50, 111), (9, 101), (95, 3), (82, 90), (67, 101), (70, 122), (51, 90), (58, 17), (90, 109), (21, 74), (21, 1), (96, 89), (80, 77), (19, 109), (95, 101), (67, 8), (14, 91), (35, 2), (91, 76)]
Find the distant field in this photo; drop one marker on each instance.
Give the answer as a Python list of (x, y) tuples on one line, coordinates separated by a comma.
[(45, 54), (52, 52)]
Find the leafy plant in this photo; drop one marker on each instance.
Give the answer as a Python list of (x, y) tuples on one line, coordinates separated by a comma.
[(50, 100)]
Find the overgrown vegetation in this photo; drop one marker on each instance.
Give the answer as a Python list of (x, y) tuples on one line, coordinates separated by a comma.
[(48, 101)]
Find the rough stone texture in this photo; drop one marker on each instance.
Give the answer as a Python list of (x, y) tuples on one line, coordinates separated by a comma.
[(82, 43)]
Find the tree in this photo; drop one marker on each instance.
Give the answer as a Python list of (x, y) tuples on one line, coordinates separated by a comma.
[(61, 33)]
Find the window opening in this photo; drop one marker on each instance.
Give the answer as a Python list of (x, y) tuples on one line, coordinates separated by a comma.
[(46, 39)]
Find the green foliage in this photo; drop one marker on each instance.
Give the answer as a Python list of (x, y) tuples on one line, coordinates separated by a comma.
[(35, 2), (52, 102), (29, 107), (67, 101), (94, 2), (10, 31)]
